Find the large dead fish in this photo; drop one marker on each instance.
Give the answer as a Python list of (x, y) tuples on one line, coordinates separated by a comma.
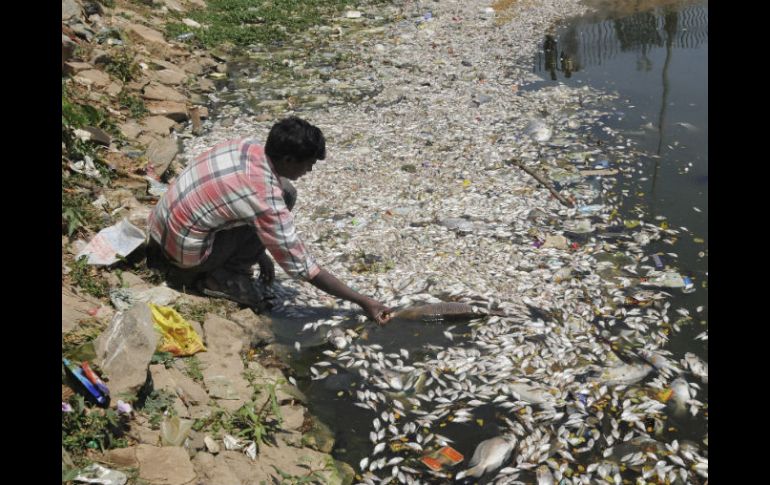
[(440, 312), (489, 456)]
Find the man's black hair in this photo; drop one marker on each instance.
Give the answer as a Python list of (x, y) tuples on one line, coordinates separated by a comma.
[(297, 139)]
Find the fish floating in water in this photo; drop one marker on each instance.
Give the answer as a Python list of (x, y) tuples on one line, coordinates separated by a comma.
[(625, 374), (444, 311), (697, 366), (489, 456)]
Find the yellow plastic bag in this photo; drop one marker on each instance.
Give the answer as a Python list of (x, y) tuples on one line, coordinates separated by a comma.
[(177, 335)]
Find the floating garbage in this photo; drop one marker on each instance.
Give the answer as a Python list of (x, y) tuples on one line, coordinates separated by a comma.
[(668, 279), (109, 244)]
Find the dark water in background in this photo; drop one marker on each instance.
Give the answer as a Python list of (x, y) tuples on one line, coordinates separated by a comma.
[(655, 57), (657, 61)]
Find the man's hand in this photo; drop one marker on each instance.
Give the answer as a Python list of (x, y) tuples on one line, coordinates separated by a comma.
[(266, 268), (377, 311), (327, 283)]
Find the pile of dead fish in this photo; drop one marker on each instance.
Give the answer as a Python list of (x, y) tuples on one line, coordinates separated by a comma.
[(568, 307)]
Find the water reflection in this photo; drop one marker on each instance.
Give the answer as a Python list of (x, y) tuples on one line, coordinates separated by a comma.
[(593, 40)]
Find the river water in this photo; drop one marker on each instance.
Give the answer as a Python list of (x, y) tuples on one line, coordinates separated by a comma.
[(654, 57)]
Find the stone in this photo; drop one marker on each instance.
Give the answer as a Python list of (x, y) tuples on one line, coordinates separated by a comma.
[(258, 328), (130, 129), (168, 465), (223, 336), (191, 23), (197, 3), (160, 154), (211, 470), (125, 349), (70, 9), (319, 437), (75, 308), (98, 136), (82, 31), (75, 67), (146, 435), (283, 457), (122, 457), (173, 5), (168, 76), (93, 77), (152, 39), (114, 88), (158, 124), (100, 57), (193, 392), (159, 92), (162, 380), (211, 445), (223, 379), (206, 85), (293, 417), (174, 110), (67, 49)]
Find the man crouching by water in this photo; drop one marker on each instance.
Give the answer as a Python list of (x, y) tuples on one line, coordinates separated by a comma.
[(231, 204)]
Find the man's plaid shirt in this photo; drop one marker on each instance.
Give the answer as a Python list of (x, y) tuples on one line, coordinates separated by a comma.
[(232, 184)]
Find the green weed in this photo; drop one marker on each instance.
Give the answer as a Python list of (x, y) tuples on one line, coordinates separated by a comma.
[(87, 278), (91, 428)]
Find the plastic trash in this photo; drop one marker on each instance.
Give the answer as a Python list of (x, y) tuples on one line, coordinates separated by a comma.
[(155, 188), (174, 431), (78, 374), (669, 279), (590, 209), (117, 240), (445, 457), (186, 36), (96, 473), (177, 335), (86, 167), (123, 298)]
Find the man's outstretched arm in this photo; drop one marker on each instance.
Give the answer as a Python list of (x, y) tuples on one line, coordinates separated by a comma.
[(328, 283)]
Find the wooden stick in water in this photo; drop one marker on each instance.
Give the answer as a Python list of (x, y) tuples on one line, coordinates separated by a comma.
[(543, 181)]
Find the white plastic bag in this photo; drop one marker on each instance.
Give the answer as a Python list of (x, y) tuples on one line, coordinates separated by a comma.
[(117, 240)]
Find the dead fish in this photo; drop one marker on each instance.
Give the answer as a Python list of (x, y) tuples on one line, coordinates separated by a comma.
[(625, 374), (531, 394), (687, 126), (680, 395), (538, 131), (438, 312), (337, 337), (697, 366), (544, 476), (489, 456)]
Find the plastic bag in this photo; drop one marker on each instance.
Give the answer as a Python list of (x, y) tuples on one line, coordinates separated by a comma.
[(177, 335), (174, 431), (117, 240)]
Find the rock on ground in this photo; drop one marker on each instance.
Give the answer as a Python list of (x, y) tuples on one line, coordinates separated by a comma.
[(168, 465)]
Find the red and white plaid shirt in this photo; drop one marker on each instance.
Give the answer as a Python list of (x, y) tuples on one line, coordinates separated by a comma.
[(231, 185)]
